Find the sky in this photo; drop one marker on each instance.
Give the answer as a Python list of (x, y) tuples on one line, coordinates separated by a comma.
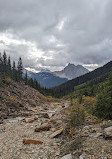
[(52, 33)]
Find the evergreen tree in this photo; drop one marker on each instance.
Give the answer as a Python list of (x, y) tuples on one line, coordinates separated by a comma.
[(103, 106), (20, 69), (1, 64), (4, 62), (26, 78), (9, 66), (30, 82), (14, 66), (14, 71)]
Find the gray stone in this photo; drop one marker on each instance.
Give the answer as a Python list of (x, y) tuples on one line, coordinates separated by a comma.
[(81, 157), (57, 133), (69, 156), (108, 132), (11, 120)]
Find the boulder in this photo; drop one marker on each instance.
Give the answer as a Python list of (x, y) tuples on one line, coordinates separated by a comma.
[(43, 127), (69, 156), (31, 141), (108, 132), (30, 120), (57, 133)]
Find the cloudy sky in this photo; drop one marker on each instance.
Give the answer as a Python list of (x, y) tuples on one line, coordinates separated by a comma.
[(52, 33)]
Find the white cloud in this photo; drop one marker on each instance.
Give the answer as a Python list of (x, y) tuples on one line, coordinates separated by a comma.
[(52, 33), (61, 24)]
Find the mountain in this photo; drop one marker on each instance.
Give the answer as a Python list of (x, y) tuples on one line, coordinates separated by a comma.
[(47, 79), (71, 71), (99, 74), (52, 79)]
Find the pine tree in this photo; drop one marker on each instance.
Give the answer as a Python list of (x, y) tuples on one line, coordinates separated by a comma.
[(103, 106), (30, 82), (9, 66), (20, 69), (1, 64), (26, 78), (4, 62), (14, 71), (14, 66)]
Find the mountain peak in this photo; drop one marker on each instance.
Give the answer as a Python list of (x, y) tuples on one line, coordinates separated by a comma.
[(71, 71), (69, 65)]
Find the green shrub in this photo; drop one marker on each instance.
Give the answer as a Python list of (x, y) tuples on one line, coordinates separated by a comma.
[(103, 105), (72, 146), (7, 80), (88, 103), (77, 114), (12, 101)]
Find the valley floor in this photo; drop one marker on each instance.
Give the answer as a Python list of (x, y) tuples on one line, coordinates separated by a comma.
[(14, 130)]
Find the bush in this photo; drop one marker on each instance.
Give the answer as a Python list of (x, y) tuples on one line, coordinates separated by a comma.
[(12, 101), (7, 80), (72, 146), (77, 115), (88, 103)]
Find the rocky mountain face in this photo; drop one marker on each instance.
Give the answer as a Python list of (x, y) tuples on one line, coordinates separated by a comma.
[(71, 71), (17, 98)]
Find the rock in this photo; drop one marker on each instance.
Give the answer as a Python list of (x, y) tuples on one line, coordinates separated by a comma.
[(43, 127), (99, 134), (108, 132), (20, 119), (69, 156), (85, 134), (30, 120), (81, 157), (53, 129), (57, 133), (51, 114), (63, 105), (45, 115), (95, 136), (35, 110), (1, 121), (30, 141), (86, 128), (13, 120), (96, 130)]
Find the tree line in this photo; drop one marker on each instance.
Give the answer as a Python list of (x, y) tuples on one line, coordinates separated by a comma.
[(15, 72), (6, 68)]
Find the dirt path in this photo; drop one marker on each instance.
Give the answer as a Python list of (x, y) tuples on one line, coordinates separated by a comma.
[(13, 131)]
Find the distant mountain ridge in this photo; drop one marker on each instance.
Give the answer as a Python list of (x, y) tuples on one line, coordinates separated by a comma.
[(51, 79), (71, 71), (99, 74), (47, 79)]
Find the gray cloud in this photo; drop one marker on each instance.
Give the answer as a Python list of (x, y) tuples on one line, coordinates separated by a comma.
[(52, 33)]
